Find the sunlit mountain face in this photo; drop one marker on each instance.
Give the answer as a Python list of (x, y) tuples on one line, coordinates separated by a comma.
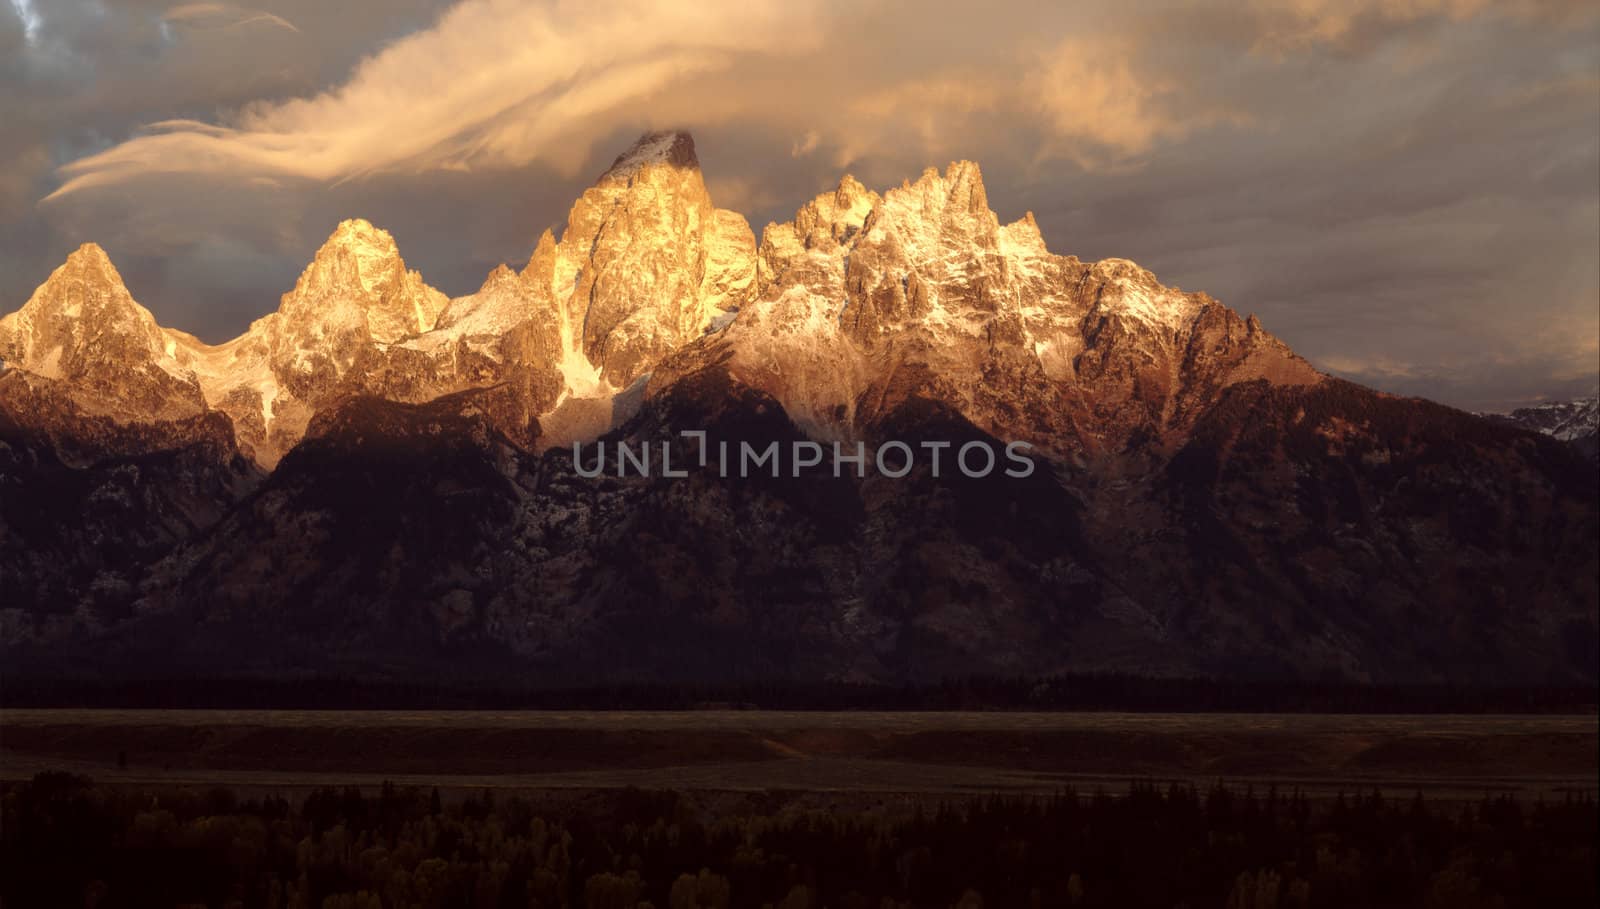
[(379, 478)]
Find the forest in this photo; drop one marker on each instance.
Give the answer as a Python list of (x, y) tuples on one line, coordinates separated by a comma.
[(66, 841)]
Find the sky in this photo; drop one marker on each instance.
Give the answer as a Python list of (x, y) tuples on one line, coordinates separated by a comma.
[(1405, 191)]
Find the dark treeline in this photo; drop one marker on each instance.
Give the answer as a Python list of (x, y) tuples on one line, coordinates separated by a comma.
[(66, 842), (1068, 692)]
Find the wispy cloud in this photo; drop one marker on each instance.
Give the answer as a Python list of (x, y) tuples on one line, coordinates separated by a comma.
[(806, 144), (223, 15), (1287, 26), (493, 82)]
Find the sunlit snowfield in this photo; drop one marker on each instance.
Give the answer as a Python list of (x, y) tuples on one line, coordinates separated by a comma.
[(863, 752)]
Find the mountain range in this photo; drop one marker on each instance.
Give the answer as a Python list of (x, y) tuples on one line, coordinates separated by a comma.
[(1576, 421), (378, 480)]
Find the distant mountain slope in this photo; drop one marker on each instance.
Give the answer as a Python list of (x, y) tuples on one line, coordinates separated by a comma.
[(1576, 421)]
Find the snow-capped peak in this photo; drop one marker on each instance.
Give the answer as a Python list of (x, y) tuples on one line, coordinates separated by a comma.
[(1576, 421), (91, 256), (358, 275), (83, 327), (83, 297), (371, 249)]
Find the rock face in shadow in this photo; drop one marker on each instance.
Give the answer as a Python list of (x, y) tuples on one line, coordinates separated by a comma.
[(417, 538), (87, 503), (1201, 501)]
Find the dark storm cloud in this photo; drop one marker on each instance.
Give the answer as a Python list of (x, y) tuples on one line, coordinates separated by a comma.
[(1407, 191), (1422, 227)]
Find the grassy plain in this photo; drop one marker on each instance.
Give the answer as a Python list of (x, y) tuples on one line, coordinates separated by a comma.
[(861, 752)]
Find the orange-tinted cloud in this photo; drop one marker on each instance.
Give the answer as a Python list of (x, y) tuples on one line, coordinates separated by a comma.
[(502, 83), (493, 82)]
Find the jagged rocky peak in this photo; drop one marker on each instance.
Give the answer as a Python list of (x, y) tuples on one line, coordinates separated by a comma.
[(83, 328), (83, 295), (501, 276), (925, 253), (90, 262), (354, 299), (868, 299), (937, 212), (358, 272), (1022, 238), (355, 295), (645, 263), (510, 320), (828, 220), (670, 148), (959, 190), (501, 302)]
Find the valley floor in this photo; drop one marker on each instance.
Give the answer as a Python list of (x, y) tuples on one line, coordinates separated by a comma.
[(905, 753)]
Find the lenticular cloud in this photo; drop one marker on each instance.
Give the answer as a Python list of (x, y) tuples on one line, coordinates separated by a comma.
[(492, 82)]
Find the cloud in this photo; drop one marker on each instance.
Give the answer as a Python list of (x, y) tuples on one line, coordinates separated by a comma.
[(1090, 92), (1287, 26), (28, 17), (1297, 24), (223, 15), (806, 145), (492, 83)]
